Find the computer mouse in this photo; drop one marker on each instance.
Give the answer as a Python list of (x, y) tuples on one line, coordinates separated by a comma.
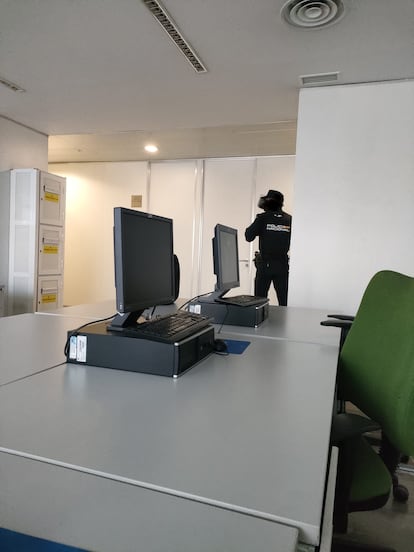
[(220, 346)]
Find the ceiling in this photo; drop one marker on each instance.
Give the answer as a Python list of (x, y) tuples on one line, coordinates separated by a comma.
[(107, 69)]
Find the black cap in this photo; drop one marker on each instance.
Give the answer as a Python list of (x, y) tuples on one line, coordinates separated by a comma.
[(274, 194)]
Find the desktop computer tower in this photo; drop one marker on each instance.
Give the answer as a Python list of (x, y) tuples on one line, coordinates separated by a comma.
[(234, 315), (94, 345)]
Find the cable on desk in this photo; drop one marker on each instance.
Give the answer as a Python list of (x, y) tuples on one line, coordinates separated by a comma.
[(224, 319), (194, 299), (76, 331)]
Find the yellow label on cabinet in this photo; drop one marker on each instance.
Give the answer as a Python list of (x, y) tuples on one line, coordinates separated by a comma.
[(50, 196), (50, 249), (49, 298)]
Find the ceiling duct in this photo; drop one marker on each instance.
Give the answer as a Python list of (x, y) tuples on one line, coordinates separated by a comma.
[(319, 79), (167, 23), (312, 14)]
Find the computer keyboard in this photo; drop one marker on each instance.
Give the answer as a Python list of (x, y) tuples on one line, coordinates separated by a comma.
[(171, 328), (243, 300)]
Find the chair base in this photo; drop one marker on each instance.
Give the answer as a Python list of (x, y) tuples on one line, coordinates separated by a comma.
[(399, 492)]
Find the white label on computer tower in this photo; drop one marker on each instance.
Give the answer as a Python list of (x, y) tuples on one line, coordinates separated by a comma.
[(195, 308), (72, 347), (81, 348)]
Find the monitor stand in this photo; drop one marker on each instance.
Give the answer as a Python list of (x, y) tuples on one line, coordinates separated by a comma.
[(215, 296), (125, 320)]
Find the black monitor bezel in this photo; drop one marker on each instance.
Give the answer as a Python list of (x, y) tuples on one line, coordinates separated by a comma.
[(222, 286), (123, 304)]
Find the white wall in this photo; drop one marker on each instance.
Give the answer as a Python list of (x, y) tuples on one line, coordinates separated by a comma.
[(183, 190), (21, 147), (354, 191), (92, 191), (229, 187), (276, 173), (173, 194)]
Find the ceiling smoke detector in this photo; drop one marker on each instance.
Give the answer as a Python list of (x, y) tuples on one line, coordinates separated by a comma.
[(312, 14)]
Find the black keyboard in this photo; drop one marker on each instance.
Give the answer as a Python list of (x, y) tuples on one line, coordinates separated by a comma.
[(243, 300), (169, 329)]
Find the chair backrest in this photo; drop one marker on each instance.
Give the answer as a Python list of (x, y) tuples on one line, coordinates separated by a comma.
[(376, 364), (176, 277)]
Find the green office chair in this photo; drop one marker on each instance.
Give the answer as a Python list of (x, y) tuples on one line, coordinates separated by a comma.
[(376, 374)]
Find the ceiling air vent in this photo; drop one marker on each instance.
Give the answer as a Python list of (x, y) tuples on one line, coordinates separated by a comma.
[(167, 23), (312, 14), (321, 78)]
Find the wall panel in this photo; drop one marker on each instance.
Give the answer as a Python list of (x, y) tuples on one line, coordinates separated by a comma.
[(354, 191), (195, 193), (92, 192), (228, 188), (21, 147), (172, 194)]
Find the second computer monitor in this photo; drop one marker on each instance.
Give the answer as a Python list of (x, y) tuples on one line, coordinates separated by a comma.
[(226, 259)]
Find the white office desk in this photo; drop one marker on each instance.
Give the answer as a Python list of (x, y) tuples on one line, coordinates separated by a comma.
[(100, 514), (102, 309), (91, 311), (292, 323), (32, 342), (246, 432)]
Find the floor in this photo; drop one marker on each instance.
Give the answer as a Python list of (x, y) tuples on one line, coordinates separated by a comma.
[(392, 525)]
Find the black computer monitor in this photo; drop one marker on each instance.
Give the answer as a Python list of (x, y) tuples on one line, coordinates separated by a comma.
[(225, 259), (144, 264)]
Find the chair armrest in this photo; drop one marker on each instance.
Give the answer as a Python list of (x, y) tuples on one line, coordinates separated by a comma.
[(347, 426), (342, 321), (345, 324), (341, 316)]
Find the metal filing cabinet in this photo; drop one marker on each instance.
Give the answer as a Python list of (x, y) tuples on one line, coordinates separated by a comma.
[(32, 213)]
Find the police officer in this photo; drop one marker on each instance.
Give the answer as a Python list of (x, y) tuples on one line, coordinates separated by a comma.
[(272, 263)]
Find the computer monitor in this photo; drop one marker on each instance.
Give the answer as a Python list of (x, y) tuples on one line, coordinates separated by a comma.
[(144, 264), (225, 259)]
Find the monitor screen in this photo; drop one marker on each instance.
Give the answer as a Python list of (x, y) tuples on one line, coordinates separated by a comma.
[(225, 258), (144, 265)]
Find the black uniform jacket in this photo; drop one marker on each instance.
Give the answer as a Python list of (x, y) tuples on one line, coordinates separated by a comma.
[(273, 229)]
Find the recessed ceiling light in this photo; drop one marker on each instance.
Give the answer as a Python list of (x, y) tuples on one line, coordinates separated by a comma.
[(151, 148)]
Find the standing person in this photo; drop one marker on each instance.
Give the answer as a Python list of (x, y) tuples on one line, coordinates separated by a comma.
[(272, 262)]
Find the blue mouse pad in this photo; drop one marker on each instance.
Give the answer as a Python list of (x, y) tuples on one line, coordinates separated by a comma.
[(235, 347)]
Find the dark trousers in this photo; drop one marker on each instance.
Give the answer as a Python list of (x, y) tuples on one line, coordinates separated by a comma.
[(276, 272)]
